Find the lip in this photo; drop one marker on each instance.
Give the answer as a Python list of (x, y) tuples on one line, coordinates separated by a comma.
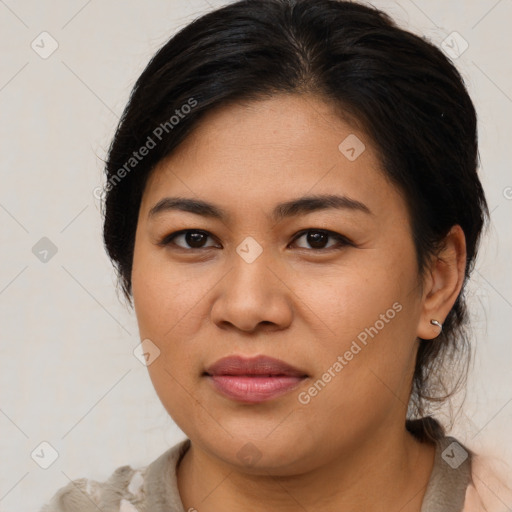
[(253, 380)]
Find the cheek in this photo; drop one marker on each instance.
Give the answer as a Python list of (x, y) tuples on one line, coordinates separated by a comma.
[(346, 300), (171, 310), (165, 296), (165, 305), (368, 320)]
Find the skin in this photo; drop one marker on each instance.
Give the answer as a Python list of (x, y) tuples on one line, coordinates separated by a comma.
[(347, 449)]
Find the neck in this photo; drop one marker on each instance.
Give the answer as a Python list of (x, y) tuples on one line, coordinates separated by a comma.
[(388, 473)]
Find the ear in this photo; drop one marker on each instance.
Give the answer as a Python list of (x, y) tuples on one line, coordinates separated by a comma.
[(442, 283)]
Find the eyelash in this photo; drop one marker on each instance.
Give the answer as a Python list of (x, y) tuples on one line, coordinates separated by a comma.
[(342, 240)]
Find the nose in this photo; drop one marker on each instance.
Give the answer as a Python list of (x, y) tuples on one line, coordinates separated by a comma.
[(254, 296)]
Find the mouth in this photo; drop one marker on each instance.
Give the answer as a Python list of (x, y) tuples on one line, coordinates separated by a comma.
[(253, 380)]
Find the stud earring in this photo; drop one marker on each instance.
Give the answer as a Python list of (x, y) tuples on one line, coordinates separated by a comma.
[(435, 322)]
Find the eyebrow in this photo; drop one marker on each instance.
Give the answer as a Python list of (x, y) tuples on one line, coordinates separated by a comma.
[(295, 207)]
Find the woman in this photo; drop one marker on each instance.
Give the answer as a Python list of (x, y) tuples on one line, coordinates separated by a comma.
[(292, 203)]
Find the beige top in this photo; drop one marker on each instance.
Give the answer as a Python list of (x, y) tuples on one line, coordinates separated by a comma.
[(154, 488)]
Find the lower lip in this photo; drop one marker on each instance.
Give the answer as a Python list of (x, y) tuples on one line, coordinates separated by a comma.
[(254, 389)]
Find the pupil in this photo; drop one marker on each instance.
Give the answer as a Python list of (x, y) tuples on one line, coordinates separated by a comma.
[(316, 239), (194, 239)]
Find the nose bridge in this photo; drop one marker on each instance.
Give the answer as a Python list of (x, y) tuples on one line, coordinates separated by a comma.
[(250, 276), (250, 250), (251, 293)]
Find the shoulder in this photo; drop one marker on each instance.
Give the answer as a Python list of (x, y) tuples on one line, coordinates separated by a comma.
[(122, 492), (449, 478), (146, 489), (470, 481), (490, 489)]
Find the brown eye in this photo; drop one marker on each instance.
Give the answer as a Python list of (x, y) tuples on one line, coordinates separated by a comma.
[(317, 239), (194, 239)]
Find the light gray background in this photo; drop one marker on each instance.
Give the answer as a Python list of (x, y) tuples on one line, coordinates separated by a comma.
[(68, 375)]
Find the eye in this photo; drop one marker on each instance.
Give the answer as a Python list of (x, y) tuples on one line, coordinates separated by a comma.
[(318, 238), (195, 239)]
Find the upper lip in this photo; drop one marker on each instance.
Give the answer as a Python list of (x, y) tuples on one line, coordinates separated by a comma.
[(260, 365)]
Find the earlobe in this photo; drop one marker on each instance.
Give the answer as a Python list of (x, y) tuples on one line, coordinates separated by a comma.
[(445, 282)]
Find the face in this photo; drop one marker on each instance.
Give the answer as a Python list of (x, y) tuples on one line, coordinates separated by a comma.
[(328, 286)]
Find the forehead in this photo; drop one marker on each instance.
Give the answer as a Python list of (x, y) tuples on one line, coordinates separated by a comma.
[(271, 150)]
